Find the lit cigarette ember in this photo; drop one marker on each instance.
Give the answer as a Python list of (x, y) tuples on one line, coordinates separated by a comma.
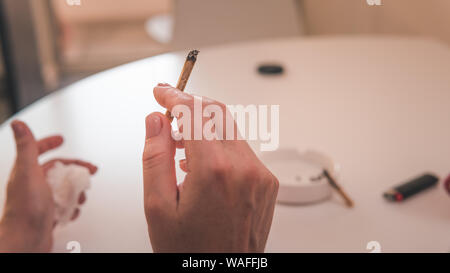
[(185, 73)]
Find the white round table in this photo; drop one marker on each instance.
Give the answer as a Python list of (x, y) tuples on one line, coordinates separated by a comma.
[(378, 106)]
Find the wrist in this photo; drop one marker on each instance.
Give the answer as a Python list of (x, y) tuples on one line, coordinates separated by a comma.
[(16, 237)]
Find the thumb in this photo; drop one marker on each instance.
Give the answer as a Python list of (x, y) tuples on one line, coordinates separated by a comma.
[(27, 150), (158, 161)]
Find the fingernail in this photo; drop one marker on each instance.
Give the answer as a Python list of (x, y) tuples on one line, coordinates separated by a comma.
[(163, 84), (18, 129), (153, 125)]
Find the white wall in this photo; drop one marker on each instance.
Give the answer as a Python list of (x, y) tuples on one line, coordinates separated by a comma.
[(110, 10), (411, 17), (208, 22)]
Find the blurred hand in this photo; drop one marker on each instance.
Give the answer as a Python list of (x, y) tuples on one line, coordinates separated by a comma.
[(28, 218), (226, 201)]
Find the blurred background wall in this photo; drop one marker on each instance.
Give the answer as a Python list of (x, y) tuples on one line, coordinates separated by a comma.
[(74, 41), (99, 34), (429, 18), (102, 33)]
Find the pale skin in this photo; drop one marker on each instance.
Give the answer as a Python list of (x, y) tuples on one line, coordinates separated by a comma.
[(225, 204)]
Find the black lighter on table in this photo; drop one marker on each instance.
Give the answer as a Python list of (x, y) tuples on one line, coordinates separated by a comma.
[(410, 188)]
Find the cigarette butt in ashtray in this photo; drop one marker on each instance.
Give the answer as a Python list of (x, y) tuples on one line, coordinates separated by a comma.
[(300, 175), (67, 183)]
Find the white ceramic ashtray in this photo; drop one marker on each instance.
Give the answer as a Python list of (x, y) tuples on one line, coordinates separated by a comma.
[(301, 175)]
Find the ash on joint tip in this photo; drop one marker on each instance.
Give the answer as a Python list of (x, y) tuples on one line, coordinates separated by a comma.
[(193, 55)]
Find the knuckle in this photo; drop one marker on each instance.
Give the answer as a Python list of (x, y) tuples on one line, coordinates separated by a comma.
[(251, 174), (262, 178), (248, 206), (154, 209), (276, 183), (152, 157), (273, 184), (151, 161), (220, 170)]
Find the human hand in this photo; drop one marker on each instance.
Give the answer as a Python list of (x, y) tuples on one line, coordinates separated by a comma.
[(28, 218), (227, 199)]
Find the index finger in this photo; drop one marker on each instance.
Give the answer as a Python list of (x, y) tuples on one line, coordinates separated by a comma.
[(168, 97), (198, 107), (197, 150)]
